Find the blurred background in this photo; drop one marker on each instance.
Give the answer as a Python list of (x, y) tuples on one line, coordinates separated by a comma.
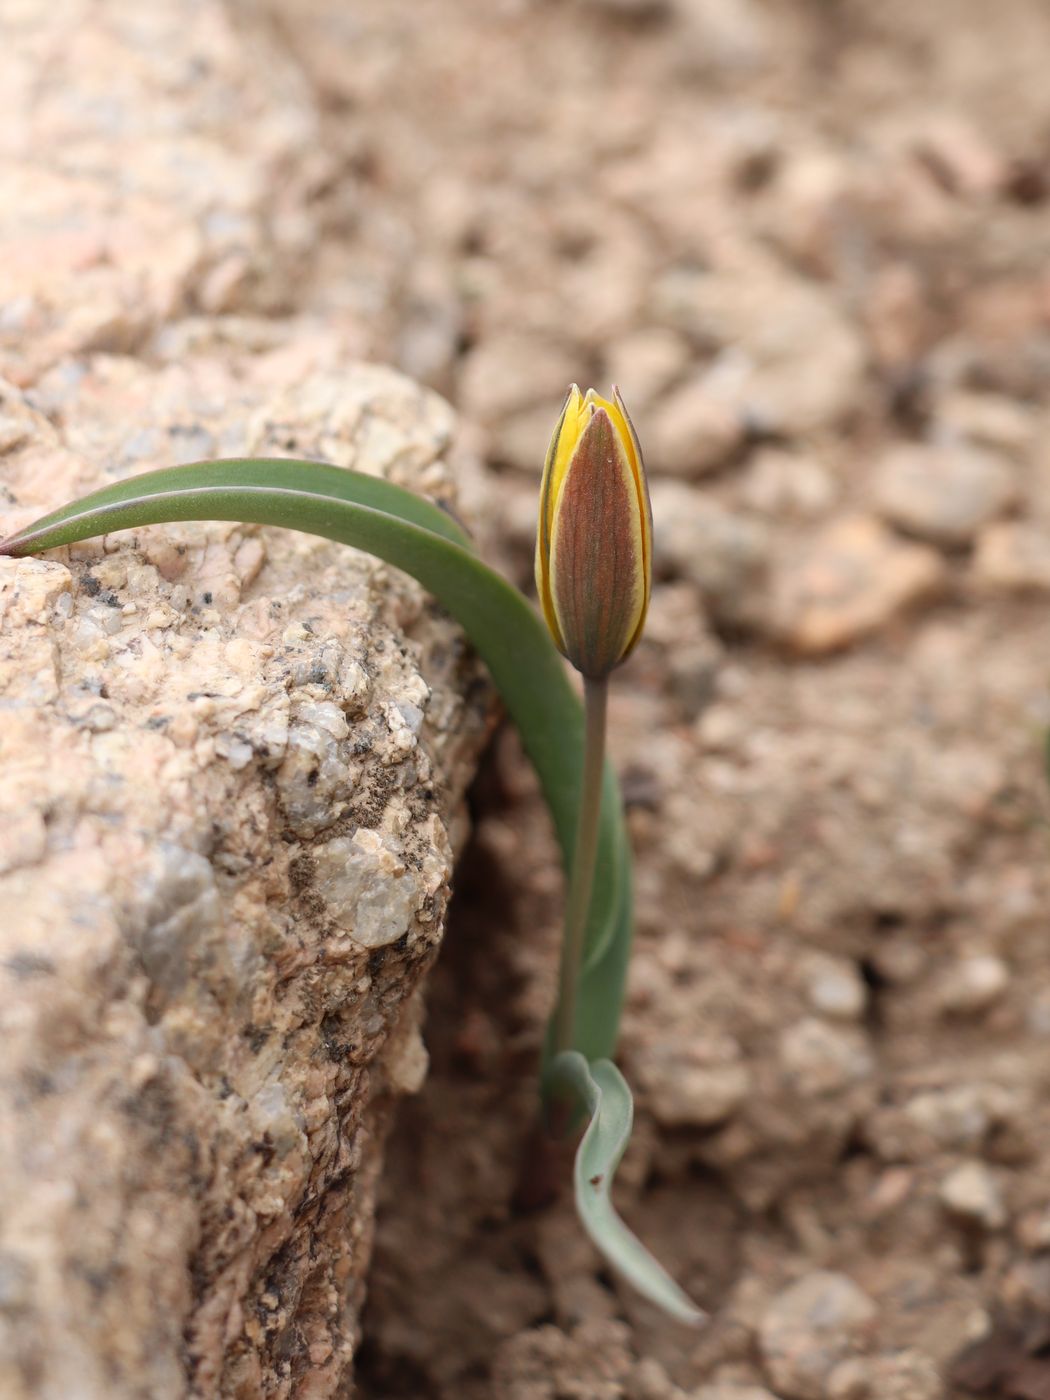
[(808, 239)]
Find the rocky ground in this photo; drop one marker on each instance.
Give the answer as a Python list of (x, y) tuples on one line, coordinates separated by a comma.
[(809, 239), (810, 242)]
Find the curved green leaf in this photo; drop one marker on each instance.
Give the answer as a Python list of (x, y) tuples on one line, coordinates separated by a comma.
[(424, 541), (607, 1098), (278, 473)]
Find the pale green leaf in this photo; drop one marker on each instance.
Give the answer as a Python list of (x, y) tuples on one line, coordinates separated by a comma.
[(606, 1097)]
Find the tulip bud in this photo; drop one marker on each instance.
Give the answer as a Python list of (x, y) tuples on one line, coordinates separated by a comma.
[(594, 544)]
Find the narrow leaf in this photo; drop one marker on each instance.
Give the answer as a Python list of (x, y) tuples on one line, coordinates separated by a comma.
[(607, 1098), (417, 536), (279, 473)]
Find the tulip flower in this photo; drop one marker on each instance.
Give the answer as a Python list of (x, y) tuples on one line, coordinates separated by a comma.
[(594, 577), (594, 543)]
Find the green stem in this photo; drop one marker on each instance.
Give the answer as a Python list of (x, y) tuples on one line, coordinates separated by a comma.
[(595, 697)]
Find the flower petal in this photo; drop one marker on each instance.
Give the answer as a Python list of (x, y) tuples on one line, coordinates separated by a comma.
[(597, 567)]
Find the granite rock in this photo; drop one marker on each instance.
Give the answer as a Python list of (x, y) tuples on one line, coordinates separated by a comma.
[(234, 762), (153, 163)]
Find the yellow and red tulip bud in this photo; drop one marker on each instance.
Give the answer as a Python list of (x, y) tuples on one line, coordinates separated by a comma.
[(594, 544)]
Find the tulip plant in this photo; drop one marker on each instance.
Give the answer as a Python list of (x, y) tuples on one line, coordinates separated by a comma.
[(593, 571)]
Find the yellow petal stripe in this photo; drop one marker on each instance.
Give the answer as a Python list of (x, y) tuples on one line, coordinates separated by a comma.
[(596, 577), (638, 467), (594, 541)]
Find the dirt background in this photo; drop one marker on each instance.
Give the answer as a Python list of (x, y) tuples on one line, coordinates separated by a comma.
[(809, 239)]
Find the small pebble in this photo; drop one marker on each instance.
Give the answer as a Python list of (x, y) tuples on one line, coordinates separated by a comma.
[(974, 984), (723, 553), (852, 579), (646, 363), (1013, 557), (960, 1116), (780, 483), (821, 1059), (836, 989), (992, 420), (692, 433), (943, 494), (694, 1085), (972, 1192), (649, 1381), (811, 1327), (905, 1375)]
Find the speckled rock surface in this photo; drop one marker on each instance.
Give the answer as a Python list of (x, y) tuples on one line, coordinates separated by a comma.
[(233, 765), (233, 760), (154, 160), (233, 768)]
